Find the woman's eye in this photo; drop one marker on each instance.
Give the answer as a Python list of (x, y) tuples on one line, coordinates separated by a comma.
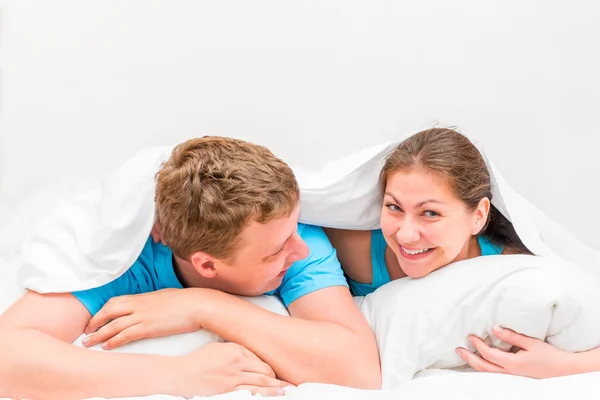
[(431, 214), (393, 207)]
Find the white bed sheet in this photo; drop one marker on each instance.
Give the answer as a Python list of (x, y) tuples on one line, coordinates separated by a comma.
[(440, 385)]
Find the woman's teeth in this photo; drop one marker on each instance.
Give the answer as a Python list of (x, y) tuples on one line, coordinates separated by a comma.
[(413, 252)]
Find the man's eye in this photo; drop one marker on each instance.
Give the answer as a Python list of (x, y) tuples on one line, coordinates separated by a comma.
[(278, 253)]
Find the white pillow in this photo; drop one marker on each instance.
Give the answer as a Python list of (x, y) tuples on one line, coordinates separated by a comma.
[(420, 322), (176, 345)]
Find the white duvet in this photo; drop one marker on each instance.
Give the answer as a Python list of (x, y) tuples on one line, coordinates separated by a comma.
[(418, 323)]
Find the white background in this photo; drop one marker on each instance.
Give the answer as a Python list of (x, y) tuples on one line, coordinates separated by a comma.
[(86, 83)]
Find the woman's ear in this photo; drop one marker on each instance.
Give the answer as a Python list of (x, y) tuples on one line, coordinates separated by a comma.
[(204, 264), (480, 216)]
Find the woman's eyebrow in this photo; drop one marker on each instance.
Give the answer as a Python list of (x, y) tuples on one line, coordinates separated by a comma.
[(420, 204), (393, 197), (428, 201)]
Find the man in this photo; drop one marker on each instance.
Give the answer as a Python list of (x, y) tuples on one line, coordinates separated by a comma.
[(227, 211)]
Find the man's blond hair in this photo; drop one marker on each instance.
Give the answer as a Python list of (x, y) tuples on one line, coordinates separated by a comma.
[(212, 187)]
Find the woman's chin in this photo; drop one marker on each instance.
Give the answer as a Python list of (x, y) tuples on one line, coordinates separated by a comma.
[(417, 274), (418, 271)]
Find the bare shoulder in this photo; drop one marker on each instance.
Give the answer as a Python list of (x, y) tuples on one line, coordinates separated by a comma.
[(354, 252), (59, 315)]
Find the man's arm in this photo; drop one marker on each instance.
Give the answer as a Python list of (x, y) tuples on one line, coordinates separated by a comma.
[(39, 361), (327, 341), (588, 361)]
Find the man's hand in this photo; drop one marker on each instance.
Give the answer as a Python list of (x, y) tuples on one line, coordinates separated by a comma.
[(125, 319), (224, 367), (535, 359)]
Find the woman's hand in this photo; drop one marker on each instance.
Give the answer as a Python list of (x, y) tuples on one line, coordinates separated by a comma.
[(125, 319), (535, 359)]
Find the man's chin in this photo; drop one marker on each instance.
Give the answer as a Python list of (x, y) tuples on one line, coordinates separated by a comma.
[(273, 285), (270, 286), (255, 293), (243, 292)]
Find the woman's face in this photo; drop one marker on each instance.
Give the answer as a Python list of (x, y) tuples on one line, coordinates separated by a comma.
[(425, 224)]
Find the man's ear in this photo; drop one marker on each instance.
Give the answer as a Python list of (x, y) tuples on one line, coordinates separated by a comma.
[(204, 264), (481, 215)]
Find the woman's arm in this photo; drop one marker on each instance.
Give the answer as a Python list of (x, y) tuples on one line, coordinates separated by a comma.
[(536, 359), (353, 249)]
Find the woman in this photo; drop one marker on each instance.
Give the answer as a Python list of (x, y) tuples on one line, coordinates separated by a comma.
[(436, 210)]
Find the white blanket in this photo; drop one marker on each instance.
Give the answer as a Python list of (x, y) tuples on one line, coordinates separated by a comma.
[(91, 239)]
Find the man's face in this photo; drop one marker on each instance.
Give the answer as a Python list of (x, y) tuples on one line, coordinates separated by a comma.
[(262, 257)]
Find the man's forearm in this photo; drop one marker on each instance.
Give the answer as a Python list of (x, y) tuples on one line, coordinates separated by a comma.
[(298, 350), (588, 361), (35, 365)]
